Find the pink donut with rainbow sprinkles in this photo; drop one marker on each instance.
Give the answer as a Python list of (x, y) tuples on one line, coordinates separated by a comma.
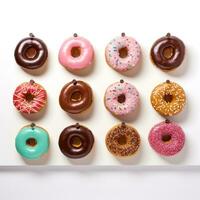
[(123, 53), (167, 138), (76, 53), (121, 98)]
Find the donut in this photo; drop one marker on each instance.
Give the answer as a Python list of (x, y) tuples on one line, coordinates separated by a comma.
[(76, 141), (168, 98), (76, 53), (29, 97), (123, 53), (75, 97), (31, 53), (32, 142), (121, 98), (167, 53), (167, 138), (122, 140)]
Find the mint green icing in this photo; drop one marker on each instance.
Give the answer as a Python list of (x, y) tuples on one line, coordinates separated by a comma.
[(32, 152)]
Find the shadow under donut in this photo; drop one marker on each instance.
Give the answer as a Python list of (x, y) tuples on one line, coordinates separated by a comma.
[(132, 160), (83, 115), (83, 72), (182, 69), (136, 70), (129, 117), (85, 160), (179, 158), (183, 115), (36, 72), (43, 160), (35, 116)]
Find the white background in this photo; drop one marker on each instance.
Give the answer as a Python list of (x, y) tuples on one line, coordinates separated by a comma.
[(99, 22)]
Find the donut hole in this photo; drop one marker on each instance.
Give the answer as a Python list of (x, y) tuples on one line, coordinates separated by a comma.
[(75, 52), (166, 137), (76, 142), (30, 53), (76, 96), (123, 52), (168, 52), (168, 98), (122, 140), (31, 142), (29, 97), (121, 98)]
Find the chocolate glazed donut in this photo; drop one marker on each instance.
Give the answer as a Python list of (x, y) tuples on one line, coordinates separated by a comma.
[(31, 53), (76, 141), (168, 52), (75, 97)]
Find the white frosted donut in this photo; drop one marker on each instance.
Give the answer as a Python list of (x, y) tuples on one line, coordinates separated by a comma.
[(123, 53)]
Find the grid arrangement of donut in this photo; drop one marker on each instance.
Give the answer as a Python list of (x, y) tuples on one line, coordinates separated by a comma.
[(121, 98)]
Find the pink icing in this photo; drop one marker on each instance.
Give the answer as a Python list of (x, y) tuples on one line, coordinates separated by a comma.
[(130, 61), (76, 63), (131, 98), (35, 105), (174, 145)]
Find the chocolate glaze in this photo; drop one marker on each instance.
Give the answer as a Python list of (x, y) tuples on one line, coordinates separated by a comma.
[(75, 97), (168, 52), (72, 149), (31, 53)]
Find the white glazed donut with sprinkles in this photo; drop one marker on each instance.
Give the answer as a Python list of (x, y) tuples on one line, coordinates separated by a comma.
[(121, 98), (123, 53)]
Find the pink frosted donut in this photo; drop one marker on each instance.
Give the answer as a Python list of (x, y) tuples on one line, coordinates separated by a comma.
[(76, 53), (167, 138), (123, 53), (29, 97), (121, 98)]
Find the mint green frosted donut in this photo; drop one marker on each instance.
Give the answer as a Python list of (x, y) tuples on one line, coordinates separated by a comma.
[(32, 142)]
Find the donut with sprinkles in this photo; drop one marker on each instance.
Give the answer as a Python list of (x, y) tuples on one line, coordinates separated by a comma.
[(29, 97), (167, 138), (121, 98), (123, 140), (168, 98), (123, 53)]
